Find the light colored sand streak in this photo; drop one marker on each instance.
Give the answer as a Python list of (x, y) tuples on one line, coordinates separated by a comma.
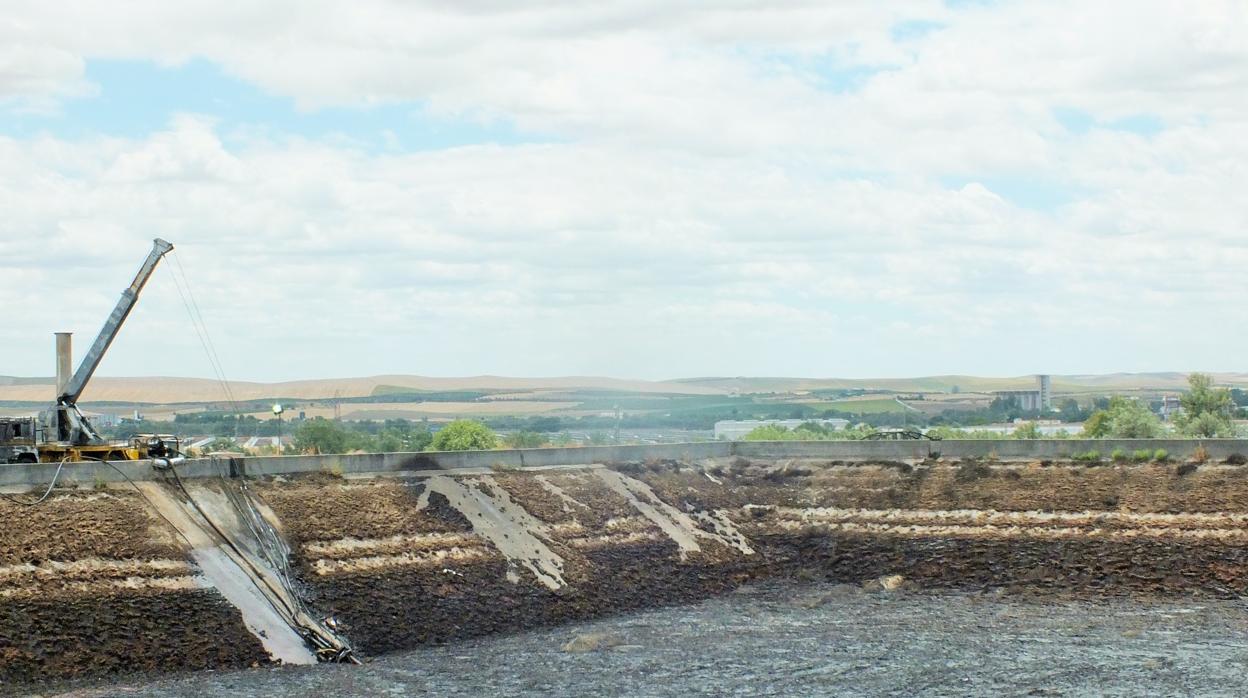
[(91, 567), (360, 547), (597, 542), (1220, 535), (990, 517), (103, 587), (422, 559), (569, 504), (676, 524), (494, 516)]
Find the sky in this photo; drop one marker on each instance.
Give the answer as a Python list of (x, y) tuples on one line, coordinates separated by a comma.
[(643, 189)]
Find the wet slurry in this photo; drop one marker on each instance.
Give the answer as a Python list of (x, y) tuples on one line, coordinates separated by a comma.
[(788, 639)]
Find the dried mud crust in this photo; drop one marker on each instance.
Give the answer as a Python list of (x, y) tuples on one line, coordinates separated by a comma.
[(1075, 567), (409, 607), (1037, 486), (330, 509), (110, 525), (43, 640), (616, 559)]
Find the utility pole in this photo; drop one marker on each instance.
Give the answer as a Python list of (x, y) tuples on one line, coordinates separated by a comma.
[(277, 410)]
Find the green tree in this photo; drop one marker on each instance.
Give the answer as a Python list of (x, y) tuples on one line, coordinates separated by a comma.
[(1207, 410), (464, 435), (1096, 426), (1070, 411), (319, 435), (1123, 419), (1026, 430)]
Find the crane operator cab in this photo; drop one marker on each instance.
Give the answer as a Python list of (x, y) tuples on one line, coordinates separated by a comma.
[(17, 440)]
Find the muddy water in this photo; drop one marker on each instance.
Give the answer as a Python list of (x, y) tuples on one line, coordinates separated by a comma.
[(790, 640)]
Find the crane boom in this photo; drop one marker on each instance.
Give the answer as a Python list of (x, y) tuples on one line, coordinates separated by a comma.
[(73, 389)]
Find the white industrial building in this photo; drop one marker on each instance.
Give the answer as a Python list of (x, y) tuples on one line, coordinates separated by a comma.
[(1040, 399)]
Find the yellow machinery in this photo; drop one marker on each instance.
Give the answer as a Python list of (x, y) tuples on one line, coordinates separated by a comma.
[(62, 432)]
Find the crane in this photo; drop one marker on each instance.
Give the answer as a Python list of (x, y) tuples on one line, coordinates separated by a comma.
[(62, 432)]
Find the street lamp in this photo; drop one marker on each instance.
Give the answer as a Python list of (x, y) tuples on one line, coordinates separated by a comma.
[(277, 410)]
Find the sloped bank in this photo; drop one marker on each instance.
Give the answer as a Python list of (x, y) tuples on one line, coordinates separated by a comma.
[(404, 562), (98, 580), (93, 582)]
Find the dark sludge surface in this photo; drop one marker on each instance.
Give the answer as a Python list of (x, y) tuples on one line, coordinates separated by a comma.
[(42, 639)]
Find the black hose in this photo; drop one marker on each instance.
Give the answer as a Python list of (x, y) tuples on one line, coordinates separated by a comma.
[(55, 477)]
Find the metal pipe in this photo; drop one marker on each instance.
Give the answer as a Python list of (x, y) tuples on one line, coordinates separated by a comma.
[(64, 360)]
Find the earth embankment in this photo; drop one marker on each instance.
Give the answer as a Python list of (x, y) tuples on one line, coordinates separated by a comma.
[(96, 582)]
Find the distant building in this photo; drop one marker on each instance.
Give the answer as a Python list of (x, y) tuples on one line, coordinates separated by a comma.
[(1046, 391), (104, 419), (1028, 400), (732, 429), (1170, 408), (1038, 400)]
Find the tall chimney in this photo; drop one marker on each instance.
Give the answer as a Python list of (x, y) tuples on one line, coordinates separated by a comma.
[(64, 357)]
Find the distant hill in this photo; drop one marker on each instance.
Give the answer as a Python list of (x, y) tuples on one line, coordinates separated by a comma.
[(165, 390), (161, 390), (1111, 382)]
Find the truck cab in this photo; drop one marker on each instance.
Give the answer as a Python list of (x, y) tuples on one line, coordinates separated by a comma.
[(17, 440)]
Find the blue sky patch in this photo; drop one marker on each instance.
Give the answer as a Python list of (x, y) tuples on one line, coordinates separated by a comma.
[(136, 98), (1032, 193), (916, 29), (1079, 122)]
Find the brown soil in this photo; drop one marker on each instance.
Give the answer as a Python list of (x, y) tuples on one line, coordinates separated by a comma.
[(112, 525), (42, 640), (411, 607), (1027, 487), (404, 574), (329, 509)]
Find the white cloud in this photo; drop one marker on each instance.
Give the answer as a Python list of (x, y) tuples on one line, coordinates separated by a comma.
[(710, 205)]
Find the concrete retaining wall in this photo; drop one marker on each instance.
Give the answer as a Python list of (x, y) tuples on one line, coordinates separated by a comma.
[(89, 474)]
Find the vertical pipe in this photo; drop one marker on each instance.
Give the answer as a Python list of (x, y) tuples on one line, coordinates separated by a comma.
[(64, 357)]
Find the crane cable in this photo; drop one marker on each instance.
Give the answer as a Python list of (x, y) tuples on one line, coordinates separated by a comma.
[(183, 285)]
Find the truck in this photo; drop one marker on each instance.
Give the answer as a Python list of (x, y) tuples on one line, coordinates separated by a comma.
[(62, 433)]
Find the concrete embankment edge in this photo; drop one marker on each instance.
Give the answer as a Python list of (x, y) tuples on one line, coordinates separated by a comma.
[(87, 474), (90, 473)]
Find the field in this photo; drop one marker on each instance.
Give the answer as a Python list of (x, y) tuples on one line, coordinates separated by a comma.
[(864, 406), (686, 403), (418, 410)]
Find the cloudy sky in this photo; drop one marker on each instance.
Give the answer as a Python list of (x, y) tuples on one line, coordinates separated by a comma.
[(639, 188)]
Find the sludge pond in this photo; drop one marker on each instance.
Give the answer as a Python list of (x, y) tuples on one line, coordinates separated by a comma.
[(790, 639)]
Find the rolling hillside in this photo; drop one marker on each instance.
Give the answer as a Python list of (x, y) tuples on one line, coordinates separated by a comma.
[(161, 390)]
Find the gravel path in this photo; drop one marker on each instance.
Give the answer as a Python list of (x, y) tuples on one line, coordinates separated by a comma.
[(789, 640)]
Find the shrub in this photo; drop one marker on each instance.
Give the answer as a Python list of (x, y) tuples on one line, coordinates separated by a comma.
[(1143, 455), (1123, 419), (1161, 455), (1200, 455), (525, 439), (1092, 456), (464, 435), (1236, 459), (1026, 430), (1118, 455), (770, 432)]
